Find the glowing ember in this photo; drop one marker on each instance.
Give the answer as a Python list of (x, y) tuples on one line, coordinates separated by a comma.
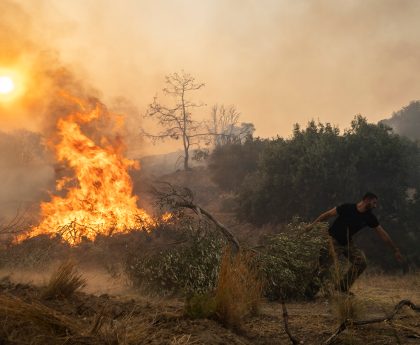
[(99, 197)]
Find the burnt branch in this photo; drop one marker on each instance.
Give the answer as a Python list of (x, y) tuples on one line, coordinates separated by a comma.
[(348, 322), (18, 224)]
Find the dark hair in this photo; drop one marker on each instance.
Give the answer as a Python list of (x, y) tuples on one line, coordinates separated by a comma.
[(369, 196)]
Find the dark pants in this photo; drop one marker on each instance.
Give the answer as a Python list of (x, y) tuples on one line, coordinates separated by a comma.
[(328, 257)]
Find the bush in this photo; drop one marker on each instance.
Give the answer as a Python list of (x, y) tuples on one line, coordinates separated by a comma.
[(191, 267), (34, 253), (289, 259), (188, 267)]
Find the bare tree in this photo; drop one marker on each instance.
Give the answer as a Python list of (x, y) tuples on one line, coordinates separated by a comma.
[(225, 128), (177, 121)]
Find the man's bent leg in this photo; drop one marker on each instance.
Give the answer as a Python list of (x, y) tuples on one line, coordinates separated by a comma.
[(358, 265)]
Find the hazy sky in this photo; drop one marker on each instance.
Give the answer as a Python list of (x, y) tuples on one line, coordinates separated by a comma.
[(279, 61)]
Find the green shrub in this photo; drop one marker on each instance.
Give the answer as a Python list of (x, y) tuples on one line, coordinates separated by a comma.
[(286, 262), (187, 268), (289, 259)]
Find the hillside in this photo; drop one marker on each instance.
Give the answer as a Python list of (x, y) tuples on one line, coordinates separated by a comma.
[(406, 121), (132, 318)]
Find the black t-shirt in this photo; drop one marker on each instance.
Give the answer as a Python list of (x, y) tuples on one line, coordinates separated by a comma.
[(350, 221)]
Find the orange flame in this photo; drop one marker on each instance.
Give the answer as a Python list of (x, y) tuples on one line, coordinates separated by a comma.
[(99, 196)]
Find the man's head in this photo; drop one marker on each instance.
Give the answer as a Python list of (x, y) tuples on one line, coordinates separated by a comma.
[(370, 200)]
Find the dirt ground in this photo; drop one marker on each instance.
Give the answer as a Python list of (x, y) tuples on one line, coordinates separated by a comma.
[(375, 296), (127, 317)]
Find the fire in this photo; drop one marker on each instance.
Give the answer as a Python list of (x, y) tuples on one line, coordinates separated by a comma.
[(98, 197)]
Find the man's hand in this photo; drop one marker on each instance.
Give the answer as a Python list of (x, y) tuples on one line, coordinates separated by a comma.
[(387, 239)]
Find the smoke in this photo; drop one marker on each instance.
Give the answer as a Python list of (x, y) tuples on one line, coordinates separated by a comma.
[(26, 173), (278, 61), (28, 122), (25, 169)]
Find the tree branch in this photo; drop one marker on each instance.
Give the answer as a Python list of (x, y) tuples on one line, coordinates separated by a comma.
[(178, 198)]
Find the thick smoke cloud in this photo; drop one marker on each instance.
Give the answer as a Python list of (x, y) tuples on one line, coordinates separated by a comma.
[(278, 61)]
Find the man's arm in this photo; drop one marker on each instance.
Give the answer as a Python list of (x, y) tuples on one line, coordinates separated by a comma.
[(322, 217), (387, 239)]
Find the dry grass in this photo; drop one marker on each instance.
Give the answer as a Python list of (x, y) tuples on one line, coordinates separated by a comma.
[(36, 324), (33, 323), (64, 282), (239, 289), (183, 340), (127, 331), (347, 307)]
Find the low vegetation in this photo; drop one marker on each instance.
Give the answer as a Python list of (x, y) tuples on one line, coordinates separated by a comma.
[(237, 294), (34, 323), (188, 265), (239, 289), (64, 282), (320, 167)]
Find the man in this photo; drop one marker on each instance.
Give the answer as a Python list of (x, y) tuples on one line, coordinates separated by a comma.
[(351, 218)]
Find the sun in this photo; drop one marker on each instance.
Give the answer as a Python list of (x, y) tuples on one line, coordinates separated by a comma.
[(7, 85)]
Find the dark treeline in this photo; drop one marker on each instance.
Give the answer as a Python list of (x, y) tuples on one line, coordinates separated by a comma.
[(319, 168)]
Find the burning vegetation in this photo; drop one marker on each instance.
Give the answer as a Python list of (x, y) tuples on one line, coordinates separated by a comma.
[(95, 195)]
